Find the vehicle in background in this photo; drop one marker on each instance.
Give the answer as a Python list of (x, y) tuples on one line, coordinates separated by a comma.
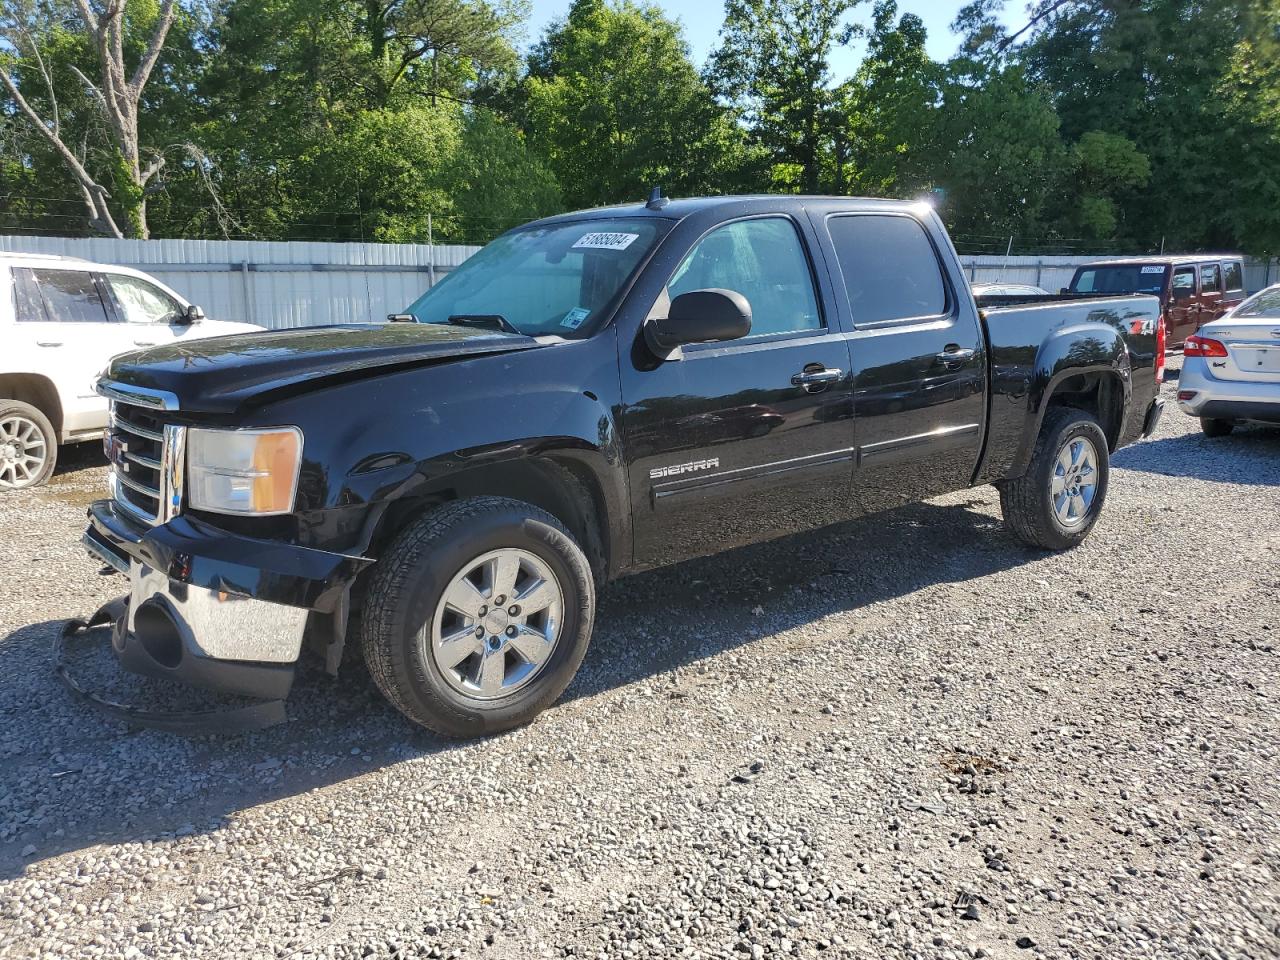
[(62, 320), (1231, 368), (590, 395), (981, 290), (1193, 290)]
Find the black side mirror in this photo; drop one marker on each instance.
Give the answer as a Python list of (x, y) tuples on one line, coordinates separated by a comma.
[(700, 316), (1064, 291), (194, 314)]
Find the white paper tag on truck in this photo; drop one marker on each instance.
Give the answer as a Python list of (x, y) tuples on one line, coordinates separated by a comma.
[(606, 241), (1153, 269)]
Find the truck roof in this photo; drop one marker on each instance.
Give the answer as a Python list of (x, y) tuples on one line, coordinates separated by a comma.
[(679, 208)]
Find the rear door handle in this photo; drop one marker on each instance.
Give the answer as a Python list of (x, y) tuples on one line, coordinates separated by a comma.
[(954, 355), (144, 343), (48, 343), (815, 377)]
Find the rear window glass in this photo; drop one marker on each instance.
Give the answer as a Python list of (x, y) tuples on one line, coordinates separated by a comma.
[(1210, 279), (1264, 304), (1234, 274), (1122, 278), (889, 267)]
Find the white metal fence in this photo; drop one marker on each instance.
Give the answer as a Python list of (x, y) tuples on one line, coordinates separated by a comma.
[(274, 284), (278, 284)]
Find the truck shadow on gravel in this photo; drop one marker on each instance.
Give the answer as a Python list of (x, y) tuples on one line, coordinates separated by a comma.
[(1250, 455), (72, 779)]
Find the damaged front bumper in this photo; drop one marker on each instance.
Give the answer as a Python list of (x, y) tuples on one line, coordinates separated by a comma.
[(215, 609)]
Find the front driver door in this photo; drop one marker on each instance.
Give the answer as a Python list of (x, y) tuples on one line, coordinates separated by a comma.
[(740, 441)]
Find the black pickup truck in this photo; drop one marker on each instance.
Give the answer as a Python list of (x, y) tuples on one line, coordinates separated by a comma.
[(590, 395)]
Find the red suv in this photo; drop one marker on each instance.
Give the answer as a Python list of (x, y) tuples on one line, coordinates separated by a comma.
[(1193, 289)]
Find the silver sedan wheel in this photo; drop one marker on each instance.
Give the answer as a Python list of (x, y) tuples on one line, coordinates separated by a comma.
[(1075, 481), (23, 452), (497, 624)]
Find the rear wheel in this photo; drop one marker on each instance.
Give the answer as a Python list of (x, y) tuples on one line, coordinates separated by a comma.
[(478, 616), (1216, 428), (1058, 500), (28, 446)]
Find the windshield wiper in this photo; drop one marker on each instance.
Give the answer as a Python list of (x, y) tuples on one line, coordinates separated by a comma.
[(492, 321)]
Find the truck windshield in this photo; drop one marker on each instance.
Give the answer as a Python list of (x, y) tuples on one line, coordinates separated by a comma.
[(556, 279), (1123, 278)]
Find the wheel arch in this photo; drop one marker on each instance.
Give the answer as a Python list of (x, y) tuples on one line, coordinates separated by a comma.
[(37, 390)]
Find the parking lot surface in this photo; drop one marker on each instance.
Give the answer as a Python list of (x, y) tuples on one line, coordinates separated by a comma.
[(904, 737)]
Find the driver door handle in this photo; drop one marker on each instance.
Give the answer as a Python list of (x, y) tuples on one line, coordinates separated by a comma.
[(816, 377), (954, 356), (144, 343)]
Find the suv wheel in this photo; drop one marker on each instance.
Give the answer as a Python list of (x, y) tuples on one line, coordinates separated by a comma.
[(1058, 500), (478, 616), (1216, 428), (28, 446)]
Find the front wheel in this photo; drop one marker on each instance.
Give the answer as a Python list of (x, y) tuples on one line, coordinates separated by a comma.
[(478, 616), (28, 446), (1057, 501)]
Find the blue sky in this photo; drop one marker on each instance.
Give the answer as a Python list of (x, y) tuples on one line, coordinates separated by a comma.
[(702, 19)]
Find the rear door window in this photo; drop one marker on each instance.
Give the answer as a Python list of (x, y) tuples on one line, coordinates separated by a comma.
[(890, 269), (1210, 278), (1233, 276), (70, 296), (1184, 283), (27, 305)]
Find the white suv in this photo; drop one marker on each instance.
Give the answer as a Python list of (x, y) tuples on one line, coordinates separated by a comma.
[(61, 321)]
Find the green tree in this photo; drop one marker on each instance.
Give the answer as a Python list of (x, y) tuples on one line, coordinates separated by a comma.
[(773, 66), (1106, 168), (613, 102)]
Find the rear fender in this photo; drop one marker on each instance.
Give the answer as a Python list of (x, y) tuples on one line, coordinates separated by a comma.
[(1088, 348)]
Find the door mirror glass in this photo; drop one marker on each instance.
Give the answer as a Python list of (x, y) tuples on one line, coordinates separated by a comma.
[(699, 316)]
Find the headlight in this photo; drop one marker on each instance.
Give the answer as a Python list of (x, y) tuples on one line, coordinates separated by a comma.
[(251, 472)]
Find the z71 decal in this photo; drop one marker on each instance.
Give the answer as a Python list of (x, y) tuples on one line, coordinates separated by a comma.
[(657, 473)]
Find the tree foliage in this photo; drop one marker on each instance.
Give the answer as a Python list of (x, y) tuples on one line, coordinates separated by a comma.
[(1122, 123)]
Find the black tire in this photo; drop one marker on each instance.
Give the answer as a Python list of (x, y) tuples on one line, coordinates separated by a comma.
[(409, 582), (9, 478), (1216, 428), (1027, 502)]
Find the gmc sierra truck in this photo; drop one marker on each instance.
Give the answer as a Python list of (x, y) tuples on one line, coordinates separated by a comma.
[(590, 395)]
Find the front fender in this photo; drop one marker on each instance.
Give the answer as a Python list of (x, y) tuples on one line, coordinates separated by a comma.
[(1085, 348)]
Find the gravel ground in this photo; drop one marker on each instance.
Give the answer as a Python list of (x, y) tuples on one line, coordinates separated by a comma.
[(906, 737)]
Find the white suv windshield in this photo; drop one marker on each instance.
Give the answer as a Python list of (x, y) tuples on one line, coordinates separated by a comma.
[(555, 279)]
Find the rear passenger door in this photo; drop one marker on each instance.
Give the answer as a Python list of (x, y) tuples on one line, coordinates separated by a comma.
[(918, 356), (66, 318), (1182, 316), (1210, 293)]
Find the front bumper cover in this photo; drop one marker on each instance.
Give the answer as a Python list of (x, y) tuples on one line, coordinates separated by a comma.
[(215, 609)]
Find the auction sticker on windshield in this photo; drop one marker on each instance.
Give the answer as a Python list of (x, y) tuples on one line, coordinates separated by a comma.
[(606, 241), (573, 319)]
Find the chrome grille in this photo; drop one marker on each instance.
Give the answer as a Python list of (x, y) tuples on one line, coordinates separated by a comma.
[(146, 455)]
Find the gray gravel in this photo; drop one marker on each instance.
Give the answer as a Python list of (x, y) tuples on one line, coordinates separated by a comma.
[(907, 737)]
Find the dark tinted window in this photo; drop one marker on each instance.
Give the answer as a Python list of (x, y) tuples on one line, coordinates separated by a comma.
[(763, 261), (1125, 278), (1184, 283), (1210, 279), (889, 268), (1234, 275), (70, 296), (26, 297)]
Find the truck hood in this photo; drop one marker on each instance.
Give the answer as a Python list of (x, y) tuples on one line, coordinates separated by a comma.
[(226, 374)]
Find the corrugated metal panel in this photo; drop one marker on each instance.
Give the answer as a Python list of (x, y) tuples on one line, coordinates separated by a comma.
[(279, 284), (271, 283)]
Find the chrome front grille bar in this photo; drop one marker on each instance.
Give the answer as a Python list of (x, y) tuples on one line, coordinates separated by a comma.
[(159, 449)]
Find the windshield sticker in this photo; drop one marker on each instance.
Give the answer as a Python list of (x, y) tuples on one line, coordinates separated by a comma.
[(573, 319), (1153, 269), (606, 241)]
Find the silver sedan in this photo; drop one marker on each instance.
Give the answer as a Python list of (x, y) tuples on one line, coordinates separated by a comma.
[(1231, 367)]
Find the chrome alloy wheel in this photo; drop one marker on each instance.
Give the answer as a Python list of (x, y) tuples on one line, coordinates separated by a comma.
[(497, 624), (23, 452), (1075, 481)]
